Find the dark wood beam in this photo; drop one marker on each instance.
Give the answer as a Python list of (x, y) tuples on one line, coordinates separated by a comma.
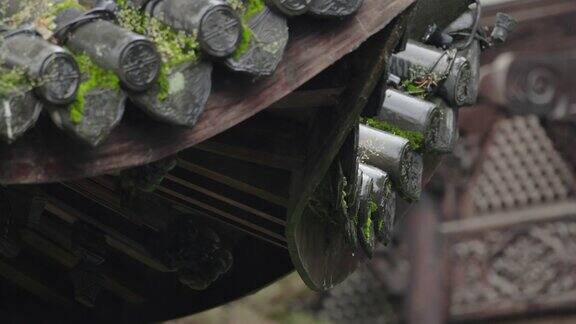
[(275, 219), (101, 191), (265, 140), (263, 182), (440, 12), (427, 300), (222, 215), (113, 238), (195, 199), (33, 286), (326, 141), (310, 99), (69, 260)]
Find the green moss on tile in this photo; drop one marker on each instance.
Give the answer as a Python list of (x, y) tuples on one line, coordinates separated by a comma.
[(175, 47), (421, 83), (95, 77), (247, 10), (65, 5), (244, 45), (367, 229), (253, 7), (13, 80), (416, 139)]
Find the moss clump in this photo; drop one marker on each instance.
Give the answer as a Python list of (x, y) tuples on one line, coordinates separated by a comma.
[(175, 47), (65, 5), (27, 11), (380, 221), (163, 84), (96, 78), (416, 139), (14, 80), (40, 13), (421, 83), (48, 11), (244, 45), (414, 89), (236, 4), (367, 230), (253, 7), (331, 200), (247, 10), (380, 225), (373, 207)]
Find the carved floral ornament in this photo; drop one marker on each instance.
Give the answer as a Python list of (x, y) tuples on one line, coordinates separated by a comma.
[(503, 268)]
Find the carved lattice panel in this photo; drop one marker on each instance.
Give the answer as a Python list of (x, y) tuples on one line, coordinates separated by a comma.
[(514, 268), (521, 168)]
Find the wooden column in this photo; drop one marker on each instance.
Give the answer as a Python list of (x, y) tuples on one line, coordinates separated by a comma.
[(426, 299)]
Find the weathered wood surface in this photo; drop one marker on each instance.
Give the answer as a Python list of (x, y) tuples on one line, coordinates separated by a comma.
[(46, 156), (265, 140), (426, 299), (322, 257), (544, 26), (540, 52), (525, 84), (33, 286), (442, 11), (261, 182), (68, 260), (310, 99)]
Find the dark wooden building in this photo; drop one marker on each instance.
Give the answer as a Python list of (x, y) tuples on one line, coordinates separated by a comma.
[(189, 201)]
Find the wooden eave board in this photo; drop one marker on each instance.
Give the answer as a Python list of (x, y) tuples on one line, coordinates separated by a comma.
[(47, 155)]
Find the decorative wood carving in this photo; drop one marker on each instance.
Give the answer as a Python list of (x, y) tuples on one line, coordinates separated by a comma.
[(515, 268), (520, 168)]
